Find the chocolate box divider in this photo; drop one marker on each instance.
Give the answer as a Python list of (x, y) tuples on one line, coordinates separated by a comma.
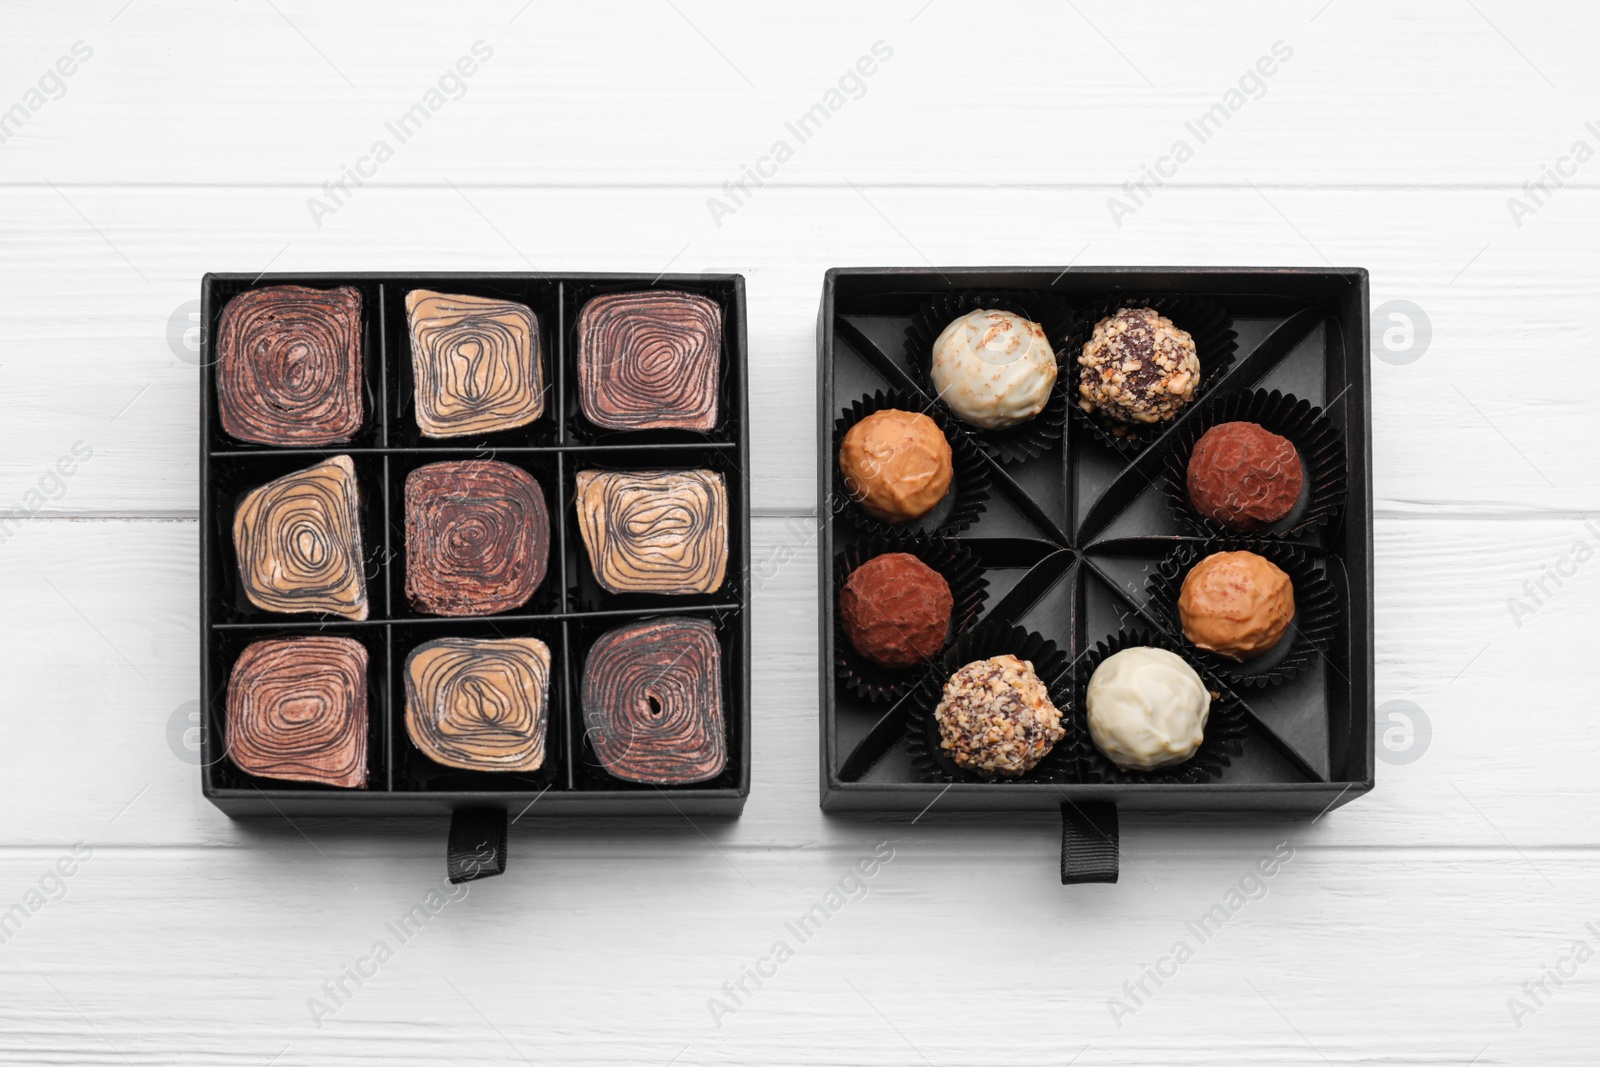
[(385, 358)]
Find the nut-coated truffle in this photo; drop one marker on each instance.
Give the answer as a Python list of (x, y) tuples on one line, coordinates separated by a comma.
[(1236, 604), (1138, 367), (1243, 476), (1147, 708), (996, 718), (896, 464), (896, 610), (994, 369)]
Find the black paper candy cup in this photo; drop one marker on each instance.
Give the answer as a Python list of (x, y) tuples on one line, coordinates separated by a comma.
[(1026, 440), (968, 588), (1316, 606), (1060, 766), (1225, 729), (1204, 320), (969, 487), (1322, 460)]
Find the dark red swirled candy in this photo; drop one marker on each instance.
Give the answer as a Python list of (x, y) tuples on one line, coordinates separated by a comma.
[(289, 366), (652, 702), (477, 537), (649, 360), (297, 710)]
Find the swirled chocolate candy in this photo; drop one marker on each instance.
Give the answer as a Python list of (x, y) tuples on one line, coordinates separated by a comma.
[(289, 366), (479, 705), (477, 537), (297, 710), (649, 360), (652, 702), (298, 540), (655, 531), (475, 362)]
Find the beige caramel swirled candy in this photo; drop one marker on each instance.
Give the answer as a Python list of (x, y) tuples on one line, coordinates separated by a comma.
[(298, 540), (476, 363), (655, 531), (478, 704)]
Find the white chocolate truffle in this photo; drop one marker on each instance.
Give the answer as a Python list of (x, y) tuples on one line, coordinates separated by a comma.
[(994, 369), (1147, 708)]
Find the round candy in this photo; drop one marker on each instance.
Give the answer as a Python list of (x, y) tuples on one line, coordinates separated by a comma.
[(1236, 604), (896, 464), (1138, 368), (896, 610), (1147, 708), (996, 718), (993, 369), (1243, 476)]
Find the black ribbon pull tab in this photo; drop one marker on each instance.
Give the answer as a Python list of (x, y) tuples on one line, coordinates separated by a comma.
[(1089, 843), (477, 847)]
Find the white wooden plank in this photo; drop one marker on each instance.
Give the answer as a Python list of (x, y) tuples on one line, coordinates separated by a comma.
[(1370, 94), (1506, 380), (104, 648)]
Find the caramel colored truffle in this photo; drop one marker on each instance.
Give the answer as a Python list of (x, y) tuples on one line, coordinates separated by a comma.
[(896, 610), (1236, 604), (1147, 708), (1138, 368), (896, 464), (996, 719), (994, 369), (1243, 476)]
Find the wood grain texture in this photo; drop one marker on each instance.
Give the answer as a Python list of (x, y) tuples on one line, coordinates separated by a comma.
[(592, 138)]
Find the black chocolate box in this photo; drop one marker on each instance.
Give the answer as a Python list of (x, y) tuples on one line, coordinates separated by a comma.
[(1069, 540), (570, 610)]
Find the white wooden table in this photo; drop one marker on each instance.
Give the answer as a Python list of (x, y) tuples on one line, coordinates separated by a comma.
[(591, 136)]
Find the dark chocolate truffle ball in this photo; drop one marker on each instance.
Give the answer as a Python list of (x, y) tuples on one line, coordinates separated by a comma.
[(896, 610), (1243, 476)]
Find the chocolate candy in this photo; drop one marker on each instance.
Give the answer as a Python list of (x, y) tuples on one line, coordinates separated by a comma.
[(1243, 476), (994, 369), (897, 465), (895, 610), (298, 540), (475, 362), (477, 537), (479, 705), (649, 360), (996, 719), (289, 366), (1147, 708), (1236, 604), (652, 702), (655, 531), (297, 710), (1138, 368)]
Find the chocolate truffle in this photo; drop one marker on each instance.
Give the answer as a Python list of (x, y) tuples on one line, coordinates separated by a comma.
[(1236, 604), (1147, 708), (652, 702), (655, 531), (993, 369), (479, 704), (896, 464), (896, 610), (475, 363), (996, 719), (1138, 368), (477, 537), (289, 366), (650, 360), (298, 540), (297, 710), (1244, 476)]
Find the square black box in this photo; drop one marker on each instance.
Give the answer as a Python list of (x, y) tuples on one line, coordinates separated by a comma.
[(553, 449), (1068, 537)]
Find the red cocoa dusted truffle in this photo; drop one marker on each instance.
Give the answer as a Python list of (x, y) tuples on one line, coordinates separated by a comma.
[(896, 610), (1243, 476)]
